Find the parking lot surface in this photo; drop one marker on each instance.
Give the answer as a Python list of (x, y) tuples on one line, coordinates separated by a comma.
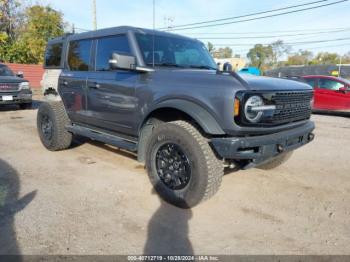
[(96, 199)]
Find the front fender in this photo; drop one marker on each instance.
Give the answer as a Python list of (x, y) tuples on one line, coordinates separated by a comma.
[(204, 119)]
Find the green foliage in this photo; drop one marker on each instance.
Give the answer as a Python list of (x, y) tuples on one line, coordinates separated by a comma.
[(302, 57), (261, 56), (225, 52), (40, 23)]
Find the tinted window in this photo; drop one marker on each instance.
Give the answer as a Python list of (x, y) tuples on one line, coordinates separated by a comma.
[(107, 46), (311, 82), (170, 51), (330, 84), (5, 71), (79, 55), (53, 55)]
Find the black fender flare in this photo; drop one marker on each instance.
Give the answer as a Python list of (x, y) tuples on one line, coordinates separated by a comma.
[(203, 118)]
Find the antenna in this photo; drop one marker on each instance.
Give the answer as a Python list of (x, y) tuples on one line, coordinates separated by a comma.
[(154, 28), (94, 14)]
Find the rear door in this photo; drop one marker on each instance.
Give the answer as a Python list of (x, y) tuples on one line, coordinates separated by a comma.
[(329, 95), (72, 82), (111, 101)]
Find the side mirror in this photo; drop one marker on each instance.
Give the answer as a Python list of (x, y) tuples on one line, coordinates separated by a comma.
[(344, 89), (127, 62), (227, 67), (119, 61), (20, 74)]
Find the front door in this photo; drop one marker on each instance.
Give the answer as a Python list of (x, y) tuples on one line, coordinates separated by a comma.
[(330, 97), (111, 101)]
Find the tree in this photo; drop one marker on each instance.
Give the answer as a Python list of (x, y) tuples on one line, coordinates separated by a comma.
[(223, 53), (279, 49), (325, 58), (211, 47), (302, 57), (25, 42), (261, 56)]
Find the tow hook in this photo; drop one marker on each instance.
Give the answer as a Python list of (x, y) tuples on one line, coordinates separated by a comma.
[(311, 137), (280, 148)]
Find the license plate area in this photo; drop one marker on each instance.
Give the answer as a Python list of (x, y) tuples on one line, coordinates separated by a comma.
[(7, 98)]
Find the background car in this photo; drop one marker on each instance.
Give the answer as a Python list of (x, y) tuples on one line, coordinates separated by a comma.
[(14, 89), (330, 93)]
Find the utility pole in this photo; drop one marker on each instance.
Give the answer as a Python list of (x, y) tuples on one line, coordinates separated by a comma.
[(339, 70), (94, 14)]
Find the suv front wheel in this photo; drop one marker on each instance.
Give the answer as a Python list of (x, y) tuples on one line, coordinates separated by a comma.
[(181, 165), (51, 124)]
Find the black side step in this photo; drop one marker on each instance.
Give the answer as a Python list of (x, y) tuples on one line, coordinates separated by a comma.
[(103, 137)]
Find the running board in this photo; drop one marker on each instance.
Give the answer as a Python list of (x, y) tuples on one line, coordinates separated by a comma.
[(103, 137)]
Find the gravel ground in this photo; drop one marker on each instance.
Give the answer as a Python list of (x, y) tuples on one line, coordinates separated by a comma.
[(96, 199)]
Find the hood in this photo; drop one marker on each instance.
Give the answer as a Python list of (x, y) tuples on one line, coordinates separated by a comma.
[(12, 79), (269, 83)]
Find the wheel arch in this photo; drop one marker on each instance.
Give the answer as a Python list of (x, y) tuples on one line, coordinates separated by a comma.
[(173, 110)]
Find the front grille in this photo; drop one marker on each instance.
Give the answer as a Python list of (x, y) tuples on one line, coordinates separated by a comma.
[(9, 87), (291, 106)]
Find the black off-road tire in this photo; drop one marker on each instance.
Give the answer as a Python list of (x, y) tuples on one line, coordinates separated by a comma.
[(25, 106), (277, 161), (206, 169), (60, 138)]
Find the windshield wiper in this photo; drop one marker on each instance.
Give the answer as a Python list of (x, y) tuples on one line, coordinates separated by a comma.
[(202, 67), (166, 64)]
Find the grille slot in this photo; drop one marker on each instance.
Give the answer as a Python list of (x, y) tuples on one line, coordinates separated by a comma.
[(291, 106), (9, 87)]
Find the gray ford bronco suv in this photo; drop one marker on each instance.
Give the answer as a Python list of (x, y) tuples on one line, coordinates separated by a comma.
[(161, 96)]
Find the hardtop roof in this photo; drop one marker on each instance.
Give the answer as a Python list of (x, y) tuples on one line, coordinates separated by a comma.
[(113, 31)]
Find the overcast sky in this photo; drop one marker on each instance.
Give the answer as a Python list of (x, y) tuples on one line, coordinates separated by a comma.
[(139, 13)]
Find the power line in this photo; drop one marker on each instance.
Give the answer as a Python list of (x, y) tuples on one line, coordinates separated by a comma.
[(251, 14), (289, 43), (271, 32), (272, 36), (261, 17)]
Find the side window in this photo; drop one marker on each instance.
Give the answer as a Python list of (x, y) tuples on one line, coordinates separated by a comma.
[(107, 46), (79, 55), (53, 55), (330, 84), (310, 82)]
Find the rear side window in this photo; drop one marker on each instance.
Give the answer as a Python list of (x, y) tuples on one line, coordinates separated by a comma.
[(107, 46), (53, 55), (79, 55)]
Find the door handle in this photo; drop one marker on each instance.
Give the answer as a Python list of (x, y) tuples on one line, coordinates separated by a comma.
[(95, 86)]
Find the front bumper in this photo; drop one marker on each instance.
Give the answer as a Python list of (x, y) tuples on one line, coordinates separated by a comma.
[(257, 150), (20, 97)]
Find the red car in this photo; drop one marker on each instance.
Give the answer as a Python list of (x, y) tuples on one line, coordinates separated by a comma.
[(331, 93)]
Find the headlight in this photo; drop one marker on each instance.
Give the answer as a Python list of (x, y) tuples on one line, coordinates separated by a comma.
[(255, 109), (251, 114), (24, 85)]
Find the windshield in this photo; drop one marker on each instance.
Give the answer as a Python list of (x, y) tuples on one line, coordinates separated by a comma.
[(5, 71), (174, 52)]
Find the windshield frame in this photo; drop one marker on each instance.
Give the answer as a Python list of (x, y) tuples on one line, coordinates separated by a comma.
[(210, 65), (7, 69)]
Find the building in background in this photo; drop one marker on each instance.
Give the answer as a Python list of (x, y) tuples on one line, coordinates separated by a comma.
[(237, 63)]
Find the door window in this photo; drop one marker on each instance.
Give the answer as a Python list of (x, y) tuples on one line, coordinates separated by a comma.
[(330, 84), (310, 82), (107, 46), (79, 55)]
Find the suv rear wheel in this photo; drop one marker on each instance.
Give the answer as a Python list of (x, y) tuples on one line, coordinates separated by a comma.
[(181, 165), (51, 124)]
